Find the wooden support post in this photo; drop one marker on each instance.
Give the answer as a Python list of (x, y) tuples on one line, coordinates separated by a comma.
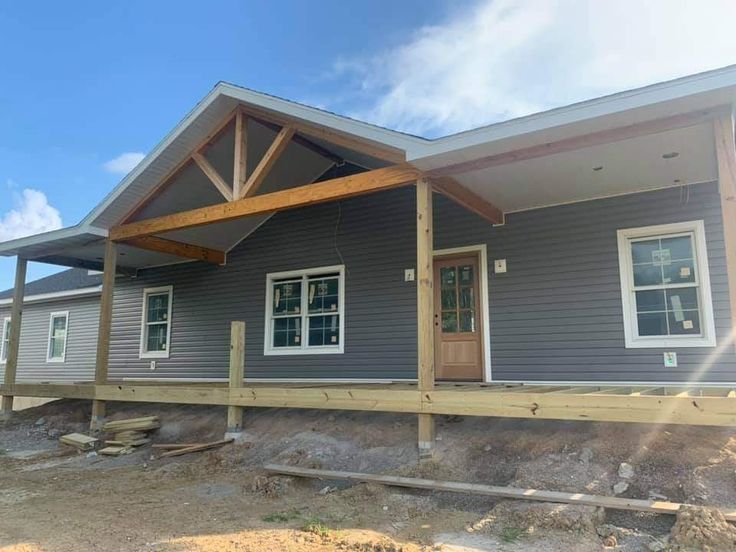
[(723, 128), (16, 314), (425, 312), (237, 373), (103, 332)]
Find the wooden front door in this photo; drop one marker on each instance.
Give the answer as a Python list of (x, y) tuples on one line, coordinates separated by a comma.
[(457, 319)]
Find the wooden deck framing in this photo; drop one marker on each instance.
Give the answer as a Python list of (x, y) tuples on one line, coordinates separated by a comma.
[(644, 404)]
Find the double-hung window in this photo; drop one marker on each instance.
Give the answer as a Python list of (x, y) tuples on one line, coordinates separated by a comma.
[(305, 311), (5, 341), (156, 322), (665, 286), (58, 331)]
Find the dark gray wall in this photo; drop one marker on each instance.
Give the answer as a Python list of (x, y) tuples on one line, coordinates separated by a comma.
[(81, 345), (555, 315)]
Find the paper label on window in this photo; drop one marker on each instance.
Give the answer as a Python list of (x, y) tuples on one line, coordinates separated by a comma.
[(297, 339), (677, 308), (684, 272), (661, 257), (687, 324), (333, 306), (334, 338)]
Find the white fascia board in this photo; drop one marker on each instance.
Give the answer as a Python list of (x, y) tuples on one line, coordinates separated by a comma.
[(56, 295), (13, 246), (718, 80)]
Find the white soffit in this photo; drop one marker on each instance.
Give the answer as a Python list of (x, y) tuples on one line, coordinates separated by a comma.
[(628, 166)]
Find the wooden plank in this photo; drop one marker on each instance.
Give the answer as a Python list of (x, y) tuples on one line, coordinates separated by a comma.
[(195, 448), (579, 142), (617, 503), (104, 326), (305, 142), (16, 318), (212, 174), (237, 373), (726, 156), (330, 190), (240, 157), (471, 201), (78, 441), (273, 153), (171, 247)]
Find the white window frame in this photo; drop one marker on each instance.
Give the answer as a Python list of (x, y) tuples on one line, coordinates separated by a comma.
[(52, 316), (633, 340), (304, 348), (3, 338), (144, 322)]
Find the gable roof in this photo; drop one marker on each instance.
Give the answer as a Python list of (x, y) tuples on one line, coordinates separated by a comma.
[(71, 280)]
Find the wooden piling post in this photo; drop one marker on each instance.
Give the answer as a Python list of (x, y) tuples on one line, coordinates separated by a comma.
[(103, 333), (425, 312), (237, 373), (16, 315)]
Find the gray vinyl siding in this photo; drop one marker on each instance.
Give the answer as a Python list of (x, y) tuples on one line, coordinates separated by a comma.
[(556, 315), (81, 345)]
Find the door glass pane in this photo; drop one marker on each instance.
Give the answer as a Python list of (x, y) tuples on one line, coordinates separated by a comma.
[(467, 300), (447, 276), (466, 275), (287, 298), (449, 299), (449, 322), (467, 321)]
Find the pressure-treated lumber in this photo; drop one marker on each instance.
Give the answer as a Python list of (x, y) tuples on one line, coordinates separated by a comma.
[(78, 441), (213, 176), (102, 357), (237, 373), (330, 190), (240, 155), (170, 247), (472, 202), (145, 423), (16, 317), (650, 506), (195, 448), (267, 162), (577, 142), (425, 312), (723, 128), (304, 142)]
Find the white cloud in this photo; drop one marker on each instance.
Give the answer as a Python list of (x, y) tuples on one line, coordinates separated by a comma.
[(31, 214), (507, 58), (124, 163)]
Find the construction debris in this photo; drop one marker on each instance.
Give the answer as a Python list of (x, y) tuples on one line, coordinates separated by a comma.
[(128, 434), (79, 441), (134, 424), (186, 449), (616, 503), (115, 451)]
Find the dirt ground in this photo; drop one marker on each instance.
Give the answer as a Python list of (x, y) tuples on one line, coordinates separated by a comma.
[(55, 499)]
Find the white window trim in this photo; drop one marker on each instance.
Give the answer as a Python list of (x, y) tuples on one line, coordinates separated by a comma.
[(58, 314), (6, 322), (155, 291), (631, 337), (268, 348)]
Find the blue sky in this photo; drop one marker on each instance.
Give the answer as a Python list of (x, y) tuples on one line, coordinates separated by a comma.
[(82, 83)]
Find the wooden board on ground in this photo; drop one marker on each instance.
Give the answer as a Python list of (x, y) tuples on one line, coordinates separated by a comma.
[(175, 446), (79, 441), (115, 451), (128, 443), (196, 448), (652, 506)]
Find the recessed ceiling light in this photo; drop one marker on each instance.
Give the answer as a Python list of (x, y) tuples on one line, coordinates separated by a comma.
[(597, 168), (671, 155)]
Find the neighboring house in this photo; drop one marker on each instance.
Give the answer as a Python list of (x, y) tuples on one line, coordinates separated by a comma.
[(590, 243), (59, 329)]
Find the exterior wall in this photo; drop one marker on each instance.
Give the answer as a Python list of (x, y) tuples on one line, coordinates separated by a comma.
[(81, 345), (556, 315)]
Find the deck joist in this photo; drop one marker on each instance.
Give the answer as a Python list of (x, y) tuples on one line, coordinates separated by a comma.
[(646, 404)]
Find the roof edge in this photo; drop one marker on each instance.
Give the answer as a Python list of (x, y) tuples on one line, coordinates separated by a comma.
[(56, 295)]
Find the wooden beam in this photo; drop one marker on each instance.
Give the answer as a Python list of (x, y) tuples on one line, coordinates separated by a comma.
[(425, 312), (302, 141), (616, 503), (240, 157), (103, 333), (579, 142), (16, 317), (723, 129), (214, 177), (267, 162), (472, 202), (237, 373), (330, 190), (367, 147), (171, 247)]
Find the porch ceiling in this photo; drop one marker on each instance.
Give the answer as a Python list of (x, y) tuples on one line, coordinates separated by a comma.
[(616, 168)]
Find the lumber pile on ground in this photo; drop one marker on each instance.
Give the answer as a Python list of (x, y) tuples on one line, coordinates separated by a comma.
[(128, 434), (617, 503), (79, 441), (147, 423), (179, 449)]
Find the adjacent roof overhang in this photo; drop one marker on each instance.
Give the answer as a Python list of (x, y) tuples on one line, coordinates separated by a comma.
[(56, 295)]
